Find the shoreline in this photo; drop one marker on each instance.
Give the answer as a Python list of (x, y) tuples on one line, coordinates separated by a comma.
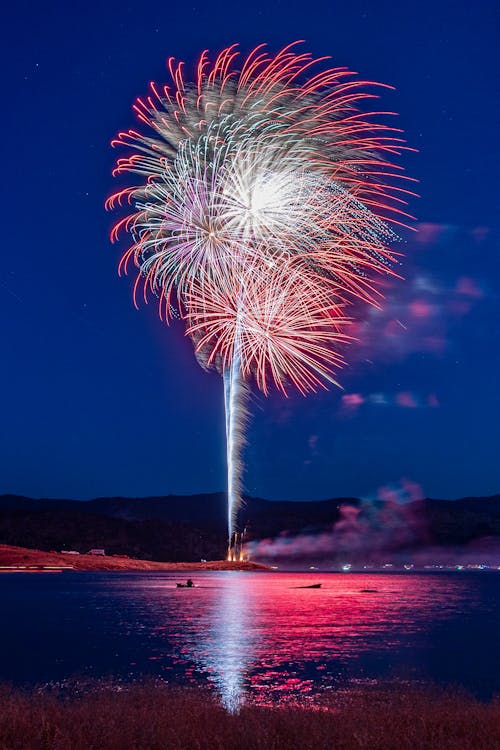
[(26, 560)]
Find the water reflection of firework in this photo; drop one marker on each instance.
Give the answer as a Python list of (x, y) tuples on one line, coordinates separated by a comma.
[(220, 640), (251, 635), (263, 208)]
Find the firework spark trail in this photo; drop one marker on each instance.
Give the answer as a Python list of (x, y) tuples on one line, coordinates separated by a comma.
[(235, 400), (262, 209)]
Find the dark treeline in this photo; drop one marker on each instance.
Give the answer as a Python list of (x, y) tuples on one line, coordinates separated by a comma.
[(175, 528)]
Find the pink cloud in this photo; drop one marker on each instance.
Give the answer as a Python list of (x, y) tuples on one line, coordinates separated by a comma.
[(428, 232), (412, 489), (352, 401), (469, 288), (420, 309), (403, 491), (406, 399)]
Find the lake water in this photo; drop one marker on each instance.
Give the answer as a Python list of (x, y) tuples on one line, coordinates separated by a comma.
[(253, 636)]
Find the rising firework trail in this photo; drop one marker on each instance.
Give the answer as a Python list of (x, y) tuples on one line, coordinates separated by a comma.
[(265, 203)]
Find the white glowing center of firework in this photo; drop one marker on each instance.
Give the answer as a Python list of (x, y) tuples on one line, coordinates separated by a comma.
[(267, 196), (271, 206)]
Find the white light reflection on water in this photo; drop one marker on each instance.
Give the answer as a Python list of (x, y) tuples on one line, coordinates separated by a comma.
[(216, 636), (229, 655)]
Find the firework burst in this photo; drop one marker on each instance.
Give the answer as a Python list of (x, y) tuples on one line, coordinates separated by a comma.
[(264, 204)]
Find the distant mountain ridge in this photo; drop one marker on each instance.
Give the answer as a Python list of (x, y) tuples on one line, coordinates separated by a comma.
[(208, 509), (189, 527)]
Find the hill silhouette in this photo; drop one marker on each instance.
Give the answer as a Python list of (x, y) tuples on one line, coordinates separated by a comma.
[(191, 527)]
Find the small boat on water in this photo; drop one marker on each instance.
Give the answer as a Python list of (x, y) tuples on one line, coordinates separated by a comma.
[(311, 586)]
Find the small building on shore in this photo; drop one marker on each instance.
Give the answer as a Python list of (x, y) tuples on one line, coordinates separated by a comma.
[(100, 552)]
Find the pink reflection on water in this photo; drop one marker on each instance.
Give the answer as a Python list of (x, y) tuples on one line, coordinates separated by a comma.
[(262, 638)]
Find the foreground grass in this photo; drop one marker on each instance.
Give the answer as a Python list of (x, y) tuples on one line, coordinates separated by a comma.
[(155, 718)]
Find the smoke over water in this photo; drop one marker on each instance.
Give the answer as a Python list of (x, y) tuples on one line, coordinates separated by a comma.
[(390, 528)]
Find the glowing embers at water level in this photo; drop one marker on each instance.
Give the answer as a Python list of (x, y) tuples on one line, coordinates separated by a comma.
[(235, 550)]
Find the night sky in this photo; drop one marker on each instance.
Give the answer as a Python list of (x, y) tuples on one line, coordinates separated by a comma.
[(99, 399)]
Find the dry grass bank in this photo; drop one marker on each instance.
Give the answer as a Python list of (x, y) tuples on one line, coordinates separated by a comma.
[(22, 558), (154, 718)]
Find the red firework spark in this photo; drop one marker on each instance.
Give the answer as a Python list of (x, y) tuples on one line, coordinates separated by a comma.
[(263, 207)]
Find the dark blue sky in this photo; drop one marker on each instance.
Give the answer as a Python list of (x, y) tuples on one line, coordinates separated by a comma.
[(100, 399)]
